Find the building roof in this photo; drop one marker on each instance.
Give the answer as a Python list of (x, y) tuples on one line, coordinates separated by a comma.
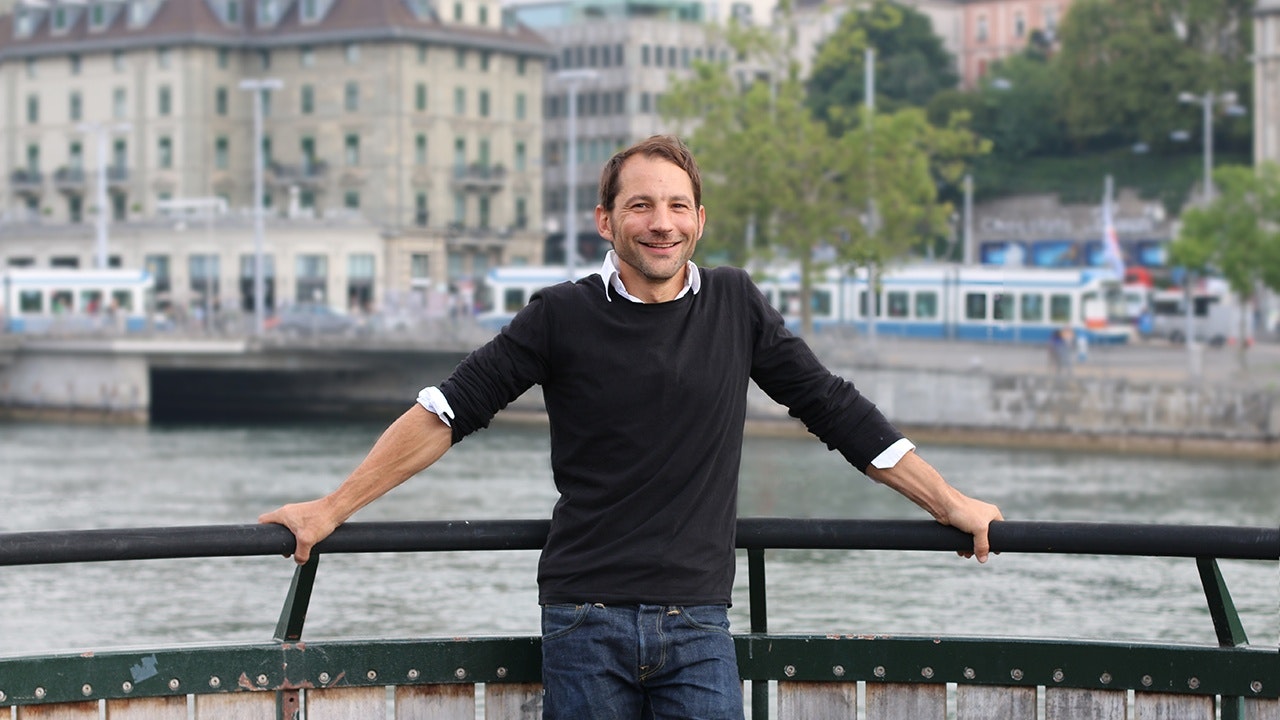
[(186, 22)]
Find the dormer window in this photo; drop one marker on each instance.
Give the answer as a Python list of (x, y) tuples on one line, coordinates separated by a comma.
[(421, 9), (61, 19), (98, 16), (310, 10), (233, 12), (25, 21), (268, 12)]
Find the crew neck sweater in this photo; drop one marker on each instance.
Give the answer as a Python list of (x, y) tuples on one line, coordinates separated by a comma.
[(646, 405)]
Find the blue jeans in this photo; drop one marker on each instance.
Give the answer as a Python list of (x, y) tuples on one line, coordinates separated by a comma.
[(634, 662)]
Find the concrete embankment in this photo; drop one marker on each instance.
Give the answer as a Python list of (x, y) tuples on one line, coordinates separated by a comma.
[(1145, 398)]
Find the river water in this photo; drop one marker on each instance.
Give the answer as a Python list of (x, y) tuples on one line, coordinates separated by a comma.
[(56, 477)]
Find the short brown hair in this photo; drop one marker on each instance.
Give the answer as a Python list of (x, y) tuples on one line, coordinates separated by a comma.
[(667, 147)]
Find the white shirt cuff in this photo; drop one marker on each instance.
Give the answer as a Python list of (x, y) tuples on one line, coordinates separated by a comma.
[(434, 401), (889, 457)]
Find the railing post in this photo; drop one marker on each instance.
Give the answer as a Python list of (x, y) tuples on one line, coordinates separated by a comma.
[(294, 612), (759, 625), (1226, 622)]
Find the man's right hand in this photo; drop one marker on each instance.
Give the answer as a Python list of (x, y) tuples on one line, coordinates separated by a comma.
[(310, 522)]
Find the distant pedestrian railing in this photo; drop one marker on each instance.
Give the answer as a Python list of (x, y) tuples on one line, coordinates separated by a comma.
[(897, 677)]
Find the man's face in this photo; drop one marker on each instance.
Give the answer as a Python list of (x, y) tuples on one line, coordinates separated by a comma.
[(654, 227)]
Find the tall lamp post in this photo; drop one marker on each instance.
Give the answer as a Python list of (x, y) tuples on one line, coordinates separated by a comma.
[(100, 132), (572, 79), (258, 87), (1207, 102)]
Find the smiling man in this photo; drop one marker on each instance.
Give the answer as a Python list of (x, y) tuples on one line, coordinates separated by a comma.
[(644, 369)]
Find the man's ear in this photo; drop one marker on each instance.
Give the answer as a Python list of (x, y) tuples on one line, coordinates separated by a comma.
[(603, 226)]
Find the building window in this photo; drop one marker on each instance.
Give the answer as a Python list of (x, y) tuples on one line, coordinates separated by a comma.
[(459, 210), (75, 107), (644, 55), (312, 273), (307, 56), (220, 100), (420, 218), (224, 58), (220, 153), (521, 62), (352, 150), (308, 99), (483, 102), (164, 152), (264, 59), (164, 101), (459, 101), (420, 150), (485, 59), (982, 29), (351, 98), (420, 96), (420, 263), (233, 12), (459, 153), (33, 158), (119, 104), (521, 106), (120, 155), (351, 199), (1019, 26), (75, 156), (360, 274), (353, 53), (422, 53), (33, 109), (163, 57), (484, 15), (460, 58), (309, 10), (457, 12), (522, 213), (482, 211), (75, 63), (521, 159)]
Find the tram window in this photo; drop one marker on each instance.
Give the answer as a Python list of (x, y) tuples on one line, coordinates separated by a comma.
[(1060, 308), (975, 306), (513, 299), (1002, 306), (30, 301), (899, 303), (1033, 307), (123, 300), (61, 301), (926, 305), (90, 301), (862, 304), (790, 302), (821, 303)]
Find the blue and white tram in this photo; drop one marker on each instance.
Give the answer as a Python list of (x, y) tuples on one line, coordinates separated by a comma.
[(42, 300), (980, 303)]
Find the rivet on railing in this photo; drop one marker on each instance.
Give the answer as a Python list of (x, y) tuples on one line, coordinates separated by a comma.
[(215, 682), (86, 689), (789, 671), (1255, 686), (1147, 680), (1193, 683), (126, 686), (371, 675), (926, 672), (970, 673), (1058, 675), (324, 678), (40, 693), (502, 672), (1016, 673), (414, 674), (174, 684), (3, 697), (879, 671), (262, 679), (1105, 678), (838, 671), (460, 673)]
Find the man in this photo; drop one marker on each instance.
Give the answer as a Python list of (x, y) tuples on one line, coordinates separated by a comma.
[(644, 370)]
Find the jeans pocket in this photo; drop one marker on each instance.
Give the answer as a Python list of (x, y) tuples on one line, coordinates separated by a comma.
[(711, 618), (561, 619)]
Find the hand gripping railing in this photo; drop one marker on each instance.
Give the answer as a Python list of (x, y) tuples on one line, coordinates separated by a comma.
[(1207, 544)]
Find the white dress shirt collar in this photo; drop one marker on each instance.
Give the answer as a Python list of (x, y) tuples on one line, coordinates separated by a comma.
[(613, 279)]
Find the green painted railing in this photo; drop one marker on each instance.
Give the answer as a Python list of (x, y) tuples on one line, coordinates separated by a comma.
[(815, 676)]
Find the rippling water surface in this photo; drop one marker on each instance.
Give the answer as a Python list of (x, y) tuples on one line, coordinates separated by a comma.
[(55, 477)]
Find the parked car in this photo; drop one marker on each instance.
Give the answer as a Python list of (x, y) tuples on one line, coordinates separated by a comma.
[(310, 318)]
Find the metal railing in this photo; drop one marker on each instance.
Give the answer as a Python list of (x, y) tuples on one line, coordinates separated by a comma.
[(1235, 679)]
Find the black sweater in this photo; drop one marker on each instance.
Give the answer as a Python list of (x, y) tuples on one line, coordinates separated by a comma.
[(646, 404)]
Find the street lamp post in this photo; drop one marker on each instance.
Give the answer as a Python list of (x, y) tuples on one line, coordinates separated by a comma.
[(101, 131), (1207, 102), (257, 87), (572, 79)]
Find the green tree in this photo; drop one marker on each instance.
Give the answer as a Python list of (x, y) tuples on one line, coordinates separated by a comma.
[(1123, 64), (911, 65), (769, 163), (1235, 235)]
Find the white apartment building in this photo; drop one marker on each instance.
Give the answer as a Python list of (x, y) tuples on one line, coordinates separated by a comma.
[(402, 149)]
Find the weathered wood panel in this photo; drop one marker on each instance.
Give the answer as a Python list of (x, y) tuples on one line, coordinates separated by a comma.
[(345, 703), (1262, 709), (982, 702), (503, 701), (236, 706), (161, 708), (1165, 706), (903, 701), (804, 700), (1076, 704), (435, 702), (60, 711)]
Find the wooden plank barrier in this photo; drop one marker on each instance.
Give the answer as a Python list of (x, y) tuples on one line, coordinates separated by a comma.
[(156, 708)]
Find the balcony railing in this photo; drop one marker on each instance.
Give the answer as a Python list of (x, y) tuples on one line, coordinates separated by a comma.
[(26, 181), (479, 176), (309, 174), (69, 179)]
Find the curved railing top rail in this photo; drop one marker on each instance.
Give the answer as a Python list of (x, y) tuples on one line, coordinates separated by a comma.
[(1222, 542)]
